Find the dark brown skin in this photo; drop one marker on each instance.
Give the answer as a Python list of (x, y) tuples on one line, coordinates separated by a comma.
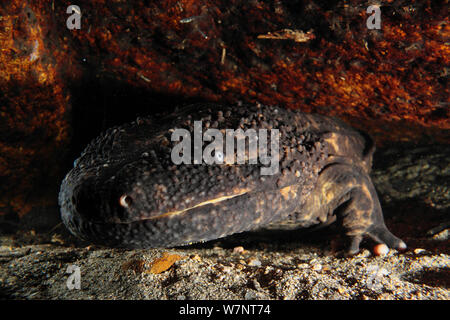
[(125, 191)]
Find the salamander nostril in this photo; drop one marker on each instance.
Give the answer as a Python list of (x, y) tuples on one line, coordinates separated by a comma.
[(125, 201)]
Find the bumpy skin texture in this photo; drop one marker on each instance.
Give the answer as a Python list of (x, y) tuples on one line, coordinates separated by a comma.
[(125, 191)]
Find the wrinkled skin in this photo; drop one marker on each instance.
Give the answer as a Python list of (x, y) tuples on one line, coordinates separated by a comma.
[(125, 191)]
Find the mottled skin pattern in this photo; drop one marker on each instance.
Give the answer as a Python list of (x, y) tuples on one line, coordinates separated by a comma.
[(125, 191)]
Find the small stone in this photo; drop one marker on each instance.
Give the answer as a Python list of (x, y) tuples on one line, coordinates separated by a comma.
[(196, 257), (240, 266), (364, 253), (162, 264), (419, 251), (316, 267), (381, 249), (254, 262), (250, 295), (226, 269), (238, 249)]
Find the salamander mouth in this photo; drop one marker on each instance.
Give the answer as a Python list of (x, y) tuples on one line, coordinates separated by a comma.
[(201, 204), (150, 233)]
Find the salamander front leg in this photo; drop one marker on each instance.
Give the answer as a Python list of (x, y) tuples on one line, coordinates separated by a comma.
[(347, 192)]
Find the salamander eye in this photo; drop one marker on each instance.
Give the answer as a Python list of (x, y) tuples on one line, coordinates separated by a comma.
[(125, 201)]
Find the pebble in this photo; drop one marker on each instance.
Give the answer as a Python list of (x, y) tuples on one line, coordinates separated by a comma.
[(240, 266), (316, 267), (419, 251), (250, 295), (238, 249), (227, 269), (162, 264), (364, 253), (302, 265), (196, 257), (254, 262), (381, 249)]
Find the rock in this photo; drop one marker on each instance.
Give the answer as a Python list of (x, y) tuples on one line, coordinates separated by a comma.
[(238, 249), (254, 262), (381, 249), (419, 251), (164, 263), (157, 54)]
